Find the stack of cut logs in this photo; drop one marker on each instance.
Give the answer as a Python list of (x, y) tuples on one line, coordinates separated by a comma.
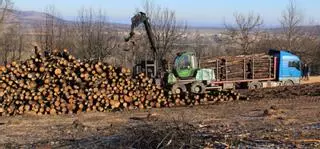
[(58, 83)]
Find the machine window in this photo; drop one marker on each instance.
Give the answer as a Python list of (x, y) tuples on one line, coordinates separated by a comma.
[(183, 62)]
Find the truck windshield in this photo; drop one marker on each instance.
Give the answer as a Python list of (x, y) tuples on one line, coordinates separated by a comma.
[(295, 64)]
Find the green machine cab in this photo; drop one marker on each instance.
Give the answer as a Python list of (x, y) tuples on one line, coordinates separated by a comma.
[(185, 65), (187, 76)]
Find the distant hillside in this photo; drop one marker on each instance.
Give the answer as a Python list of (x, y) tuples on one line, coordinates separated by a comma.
[(32, 19), (28, 17)]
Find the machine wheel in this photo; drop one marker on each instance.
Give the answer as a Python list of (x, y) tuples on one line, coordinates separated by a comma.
[(288, 83), (254, 85), (197, 88), (178, 88)]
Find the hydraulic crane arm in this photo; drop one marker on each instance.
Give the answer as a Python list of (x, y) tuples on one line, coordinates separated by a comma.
[(136, 20)]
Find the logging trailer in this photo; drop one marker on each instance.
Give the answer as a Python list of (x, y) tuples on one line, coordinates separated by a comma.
[(277, 68)]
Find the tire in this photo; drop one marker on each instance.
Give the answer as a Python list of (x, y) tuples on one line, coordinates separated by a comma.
[(254, 85), (178, 88), (288, 83), (197, 88)]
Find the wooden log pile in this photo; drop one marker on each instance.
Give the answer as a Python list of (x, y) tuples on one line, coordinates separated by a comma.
[(58, 83), (186, 99)]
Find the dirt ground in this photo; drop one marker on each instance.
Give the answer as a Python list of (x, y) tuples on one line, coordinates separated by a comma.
[(310, 89), (268, 121), (312, 79)]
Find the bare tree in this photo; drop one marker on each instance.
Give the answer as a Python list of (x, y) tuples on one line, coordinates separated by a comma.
[(13, 43), (301, 40), (6, 34), (21, 41), (50, 23), (48, 29), (200, 47), (166, 29), (291, 19), (307, 44), (245, 31), (5, 5), (96, 40), (54, 32)]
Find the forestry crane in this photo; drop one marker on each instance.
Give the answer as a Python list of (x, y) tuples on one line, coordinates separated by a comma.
[(154, 65)]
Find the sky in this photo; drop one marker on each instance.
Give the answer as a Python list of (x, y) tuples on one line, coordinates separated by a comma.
[(194, 12)]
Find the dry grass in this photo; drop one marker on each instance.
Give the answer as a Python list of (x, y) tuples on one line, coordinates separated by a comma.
[(162, 135), (257, 123)]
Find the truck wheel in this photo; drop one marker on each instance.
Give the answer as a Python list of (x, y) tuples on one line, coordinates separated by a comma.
[(197, 88), (254, 85), (178, 88), (288, 83)]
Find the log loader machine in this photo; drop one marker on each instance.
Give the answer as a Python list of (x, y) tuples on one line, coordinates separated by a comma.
[(277, 68), (185, 75)]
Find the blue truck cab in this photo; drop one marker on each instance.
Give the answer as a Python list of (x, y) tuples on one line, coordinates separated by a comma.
[(288, 67)]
